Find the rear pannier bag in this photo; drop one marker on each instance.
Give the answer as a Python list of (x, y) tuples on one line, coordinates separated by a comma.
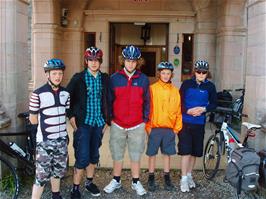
[(242, 171)]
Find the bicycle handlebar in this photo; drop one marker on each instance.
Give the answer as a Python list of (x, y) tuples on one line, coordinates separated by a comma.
[(228, 111)]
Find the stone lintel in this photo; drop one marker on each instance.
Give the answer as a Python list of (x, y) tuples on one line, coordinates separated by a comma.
[(152, 13)]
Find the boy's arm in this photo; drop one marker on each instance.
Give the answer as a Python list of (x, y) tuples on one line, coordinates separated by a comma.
[(33, 118), (148, 124), (34, 107), (212, 99), (71, 89), (146, 104), (178, 123)]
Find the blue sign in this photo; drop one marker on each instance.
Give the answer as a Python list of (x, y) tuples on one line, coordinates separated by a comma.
[(176, 50)]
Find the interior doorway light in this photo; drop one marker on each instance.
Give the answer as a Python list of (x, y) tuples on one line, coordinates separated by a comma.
[(139, 23)]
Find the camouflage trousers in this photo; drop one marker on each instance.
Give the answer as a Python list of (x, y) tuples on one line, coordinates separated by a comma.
[(51, 160)]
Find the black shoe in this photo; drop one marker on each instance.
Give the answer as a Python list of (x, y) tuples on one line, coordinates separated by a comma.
[(93, 189), (75, 194), (168, 186), (151, 185)]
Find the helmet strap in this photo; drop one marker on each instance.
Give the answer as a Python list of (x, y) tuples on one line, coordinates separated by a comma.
[(130, 73), (52, 84)]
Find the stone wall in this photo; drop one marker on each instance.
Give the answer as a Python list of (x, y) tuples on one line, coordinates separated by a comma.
[(14, 62), (255, 100)]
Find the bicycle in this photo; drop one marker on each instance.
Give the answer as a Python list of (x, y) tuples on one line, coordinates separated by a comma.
[(9, 180), (218, 143)]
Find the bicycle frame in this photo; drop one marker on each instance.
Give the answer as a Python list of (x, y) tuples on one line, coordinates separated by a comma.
[(5, 148), (227, 133)]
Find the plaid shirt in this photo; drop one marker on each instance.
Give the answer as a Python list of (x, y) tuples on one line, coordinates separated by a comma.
[(94, 115)]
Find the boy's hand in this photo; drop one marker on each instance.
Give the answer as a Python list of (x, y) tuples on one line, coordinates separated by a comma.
[(196, 111), (73, 123)]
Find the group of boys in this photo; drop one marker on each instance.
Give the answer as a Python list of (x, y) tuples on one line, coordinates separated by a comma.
[(124, 101)]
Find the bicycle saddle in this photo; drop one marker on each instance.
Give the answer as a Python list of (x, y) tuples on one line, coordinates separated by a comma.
[(251, 126)]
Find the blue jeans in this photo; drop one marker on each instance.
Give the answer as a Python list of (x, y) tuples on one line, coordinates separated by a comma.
[(87, 141)]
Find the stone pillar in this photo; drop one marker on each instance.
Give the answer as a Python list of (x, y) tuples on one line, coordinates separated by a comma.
[(255, 99), (14, 60), (46, 37), (231, 41), (205, 31)]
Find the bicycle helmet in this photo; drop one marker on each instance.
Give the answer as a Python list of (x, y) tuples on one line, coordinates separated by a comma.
[(131, 52), (201, 65), (165, 65), (54, 64), (93, 53)]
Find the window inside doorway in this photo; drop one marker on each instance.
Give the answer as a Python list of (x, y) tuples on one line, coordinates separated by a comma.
[(187, 56), (90, 39)]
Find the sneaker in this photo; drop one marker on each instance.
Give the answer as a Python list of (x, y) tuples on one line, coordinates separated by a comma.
[(113, 185), (168, 185), (190, 181), (93, 189), (75, 194), (138, 188), (184, 186), (151, 185)]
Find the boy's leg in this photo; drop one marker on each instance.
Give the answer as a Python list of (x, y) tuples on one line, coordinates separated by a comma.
[(152, 161), (117, 144), (81, 148), (55, 184), (166, 165), (185, 150), (151, 179), (192, 162), (59, 165), (136, 145), (185, 161), (167, 180), (90, 170), (43, 168), (118, 165), (95, 143), (37, 191)]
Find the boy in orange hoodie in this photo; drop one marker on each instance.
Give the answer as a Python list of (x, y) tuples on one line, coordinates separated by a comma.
[(165, 121)]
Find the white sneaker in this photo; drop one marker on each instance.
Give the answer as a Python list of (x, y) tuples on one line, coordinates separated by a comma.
[(113, 185), (184, 185), (138, 188), (191, 182)]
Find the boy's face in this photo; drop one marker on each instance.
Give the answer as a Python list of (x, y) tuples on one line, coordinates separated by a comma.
[(130, 65), (55, 76), (165, 75), (201, 75), (93, 65)]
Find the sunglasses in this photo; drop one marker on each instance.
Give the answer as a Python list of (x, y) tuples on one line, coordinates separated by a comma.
[(201, 72)]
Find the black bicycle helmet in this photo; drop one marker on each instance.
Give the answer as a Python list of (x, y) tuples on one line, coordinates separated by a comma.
[(165, 65), (54, 64), (201, 65)]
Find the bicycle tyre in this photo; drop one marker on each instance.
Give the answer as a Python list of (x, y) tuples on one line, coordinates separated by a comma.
[(9, 183), (212, 152)]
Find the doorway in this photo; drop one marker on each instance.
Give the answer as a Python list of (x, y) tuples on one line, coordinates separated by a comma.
[(153, 48)]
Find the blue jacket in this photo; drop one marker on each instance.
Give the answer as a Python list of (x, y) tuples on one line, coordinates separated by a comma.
[(193, 95)]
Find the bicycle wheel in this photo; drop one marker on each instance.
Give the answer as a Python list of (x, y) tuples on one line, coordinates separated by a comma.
[(9, 184), (211, 157)]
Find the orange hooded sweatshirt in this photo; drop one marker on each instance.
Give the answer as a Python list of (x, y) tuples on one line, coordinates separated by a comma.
[(165, 111)]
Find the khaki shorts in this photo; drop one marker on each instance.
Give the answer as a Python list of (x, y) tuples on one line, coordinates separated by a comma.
[(134, 138)]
